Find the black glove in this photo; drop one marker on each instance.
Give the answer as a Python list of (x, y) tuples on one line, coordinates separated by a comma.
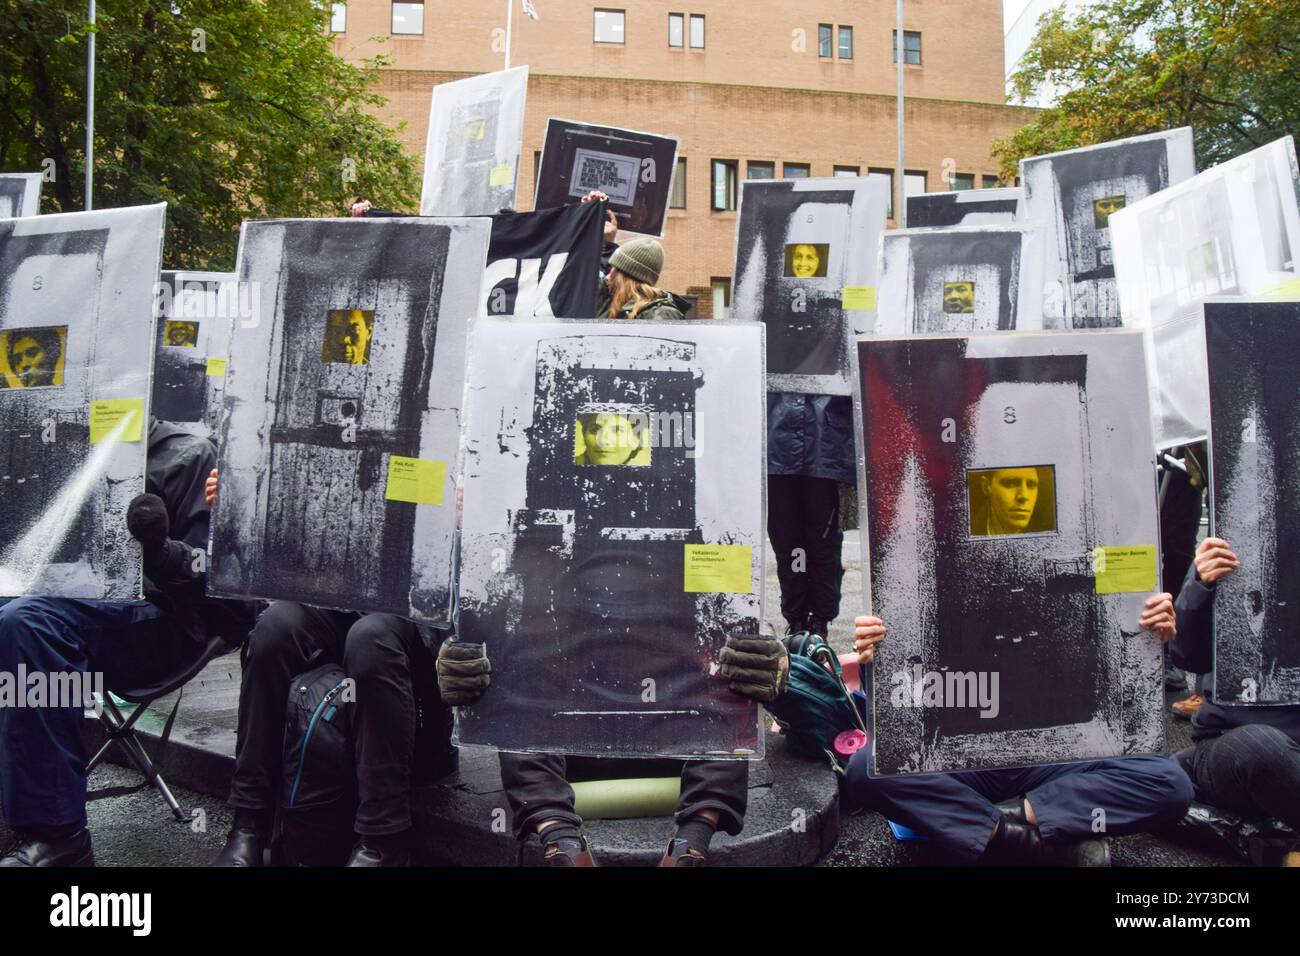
[(146, 519), (756, 667), (464, 672)]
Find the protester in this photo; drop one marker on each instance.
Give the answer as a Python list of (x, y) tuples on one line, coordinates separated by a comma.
[(1059, 809), (382, 654), (630, 273), (1244, 758), (135, 643)]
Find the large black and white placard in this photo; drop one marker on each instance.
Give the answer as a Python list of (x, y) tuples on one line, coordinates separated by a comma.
[(20, 195), (612, 533), (76, 341), (339, 438), (634, 169), (806, 254), (1233, 229), (197, 313), (1253, 351), (1073, 194), (471, 156), (1012, 542), (962, 279)]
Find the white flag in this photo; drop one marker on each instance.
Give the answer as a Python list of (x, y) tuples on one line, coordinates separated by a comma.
[(530, 10)]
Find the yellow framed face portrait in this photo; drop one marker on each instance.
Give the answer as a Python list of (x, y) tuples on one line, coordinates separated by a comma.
[(611, 439), (347, 336), (1012, 500), (33, 358)]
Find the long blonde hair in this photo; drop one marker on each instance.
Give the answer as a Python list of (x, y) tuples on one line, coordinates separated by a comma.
[(625, 289)]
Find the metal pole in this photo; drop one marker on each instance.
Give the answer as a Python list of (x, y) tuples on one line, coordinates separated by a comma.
[(90, 110), (510, 22), (900, 204)]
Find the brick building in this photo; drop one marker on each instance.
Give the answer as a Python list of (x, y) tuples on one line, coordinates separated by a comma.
[(751, 89)]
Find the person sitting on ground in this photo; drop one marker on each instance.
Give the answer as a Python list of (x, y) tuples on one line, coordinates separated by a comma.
[(1244, 758), (1052, 821), (132, 643), (384, 654)]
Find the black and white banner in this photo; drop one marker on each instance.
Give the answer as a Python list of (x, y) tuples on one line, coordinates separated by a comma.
[(545, 263)]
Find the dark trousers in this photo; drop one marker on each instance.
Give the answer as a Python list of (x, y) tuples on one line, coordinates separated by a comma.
[(1253, 770), (803, 521), (958, 812), (380, 652), (537, 787), (42, 760)]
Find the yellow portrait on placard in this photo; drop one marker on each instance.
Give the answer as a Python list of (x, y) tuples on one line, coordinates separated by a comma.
[(33, 358), (609, 438)]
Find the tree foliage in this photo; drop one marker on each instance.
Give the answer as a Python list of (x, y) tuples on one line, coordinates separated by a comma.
[(1228, 68), (225, 109)]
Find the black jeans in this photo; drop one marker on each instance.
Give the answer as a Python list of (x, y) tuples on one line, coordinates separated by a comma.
[(1252, 770), (803, 521), (383, 654), (537, 787)]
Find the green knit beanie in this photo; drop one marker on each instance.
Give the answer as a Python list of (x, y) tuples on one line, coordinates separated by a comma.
[(641, 259)]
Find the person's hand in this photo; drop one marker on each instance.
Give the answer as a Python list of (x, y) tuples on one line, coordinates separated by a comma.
[(361, 208), (594, 196), (146, 519), (1158, 616), (755, 667), (210, 489), (464, 672), (868, 632), (1215, 560)]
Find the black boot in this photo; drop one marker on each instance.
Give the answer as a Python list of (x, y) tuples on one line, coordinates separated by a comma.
[(818, 626), (31, 851), (1017, 843), (244, 847), (382, 851)]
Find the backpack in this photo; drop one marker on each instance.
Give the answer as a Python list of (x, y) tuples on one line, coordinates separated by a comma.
[(816, 705), (318, 789)]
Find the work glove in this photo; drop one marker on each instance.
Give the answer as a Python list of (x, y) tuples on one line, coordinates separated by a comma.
[(464, 672), (756, 667), (146, 519)]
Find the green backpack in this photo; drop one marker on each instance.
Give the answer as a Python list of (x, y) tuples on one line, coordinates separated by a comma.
[(816, 706)]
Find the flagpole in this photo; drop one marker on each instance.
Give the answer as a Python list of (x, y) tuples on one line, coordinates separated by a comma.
[(510, 22), (90, 108), (900, 53)]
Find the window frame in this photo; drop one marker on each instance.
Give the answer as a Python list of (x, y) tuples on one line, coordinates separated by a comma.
[(826, 32), (678, 167), (595, 18), (732, 193), (681, 27), (392, 12), (786, 167), (764, 164), (839, 41), (335, 10), (907, 35), (887, 171), (846, 171), (953, 187), (690, 36), (725, 283)]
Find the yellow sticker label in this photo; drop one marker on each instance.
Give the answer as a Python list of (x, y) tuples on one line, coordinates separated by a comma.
[(417, 480), (501, 175), (108, 414), (858, 298), (1285, 290), (216, 368), (719, 569), (1124, 570)]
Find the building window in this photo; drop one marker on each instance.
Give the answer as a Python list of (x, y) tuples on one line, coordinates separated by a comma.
[(677, 189), (992, 182), (609, 26), (755, 170), (846, 43), (724, 185), (338, 17), (911, 45), (408, 19), (794, 170), (697, 32), (721, 298), (888, 176), (961, 181), (847, 171), (675, 21), (824, 40), (913, 183)]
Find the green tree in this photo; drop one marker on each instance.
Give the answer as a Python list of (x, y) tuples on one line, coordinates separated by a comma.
[(1230, 69), (225, 109)]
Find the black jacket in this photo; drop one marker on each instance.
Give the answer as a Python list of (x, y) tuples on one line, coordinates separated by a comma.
[(811, 435), (1192, 649), (175, 578)]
